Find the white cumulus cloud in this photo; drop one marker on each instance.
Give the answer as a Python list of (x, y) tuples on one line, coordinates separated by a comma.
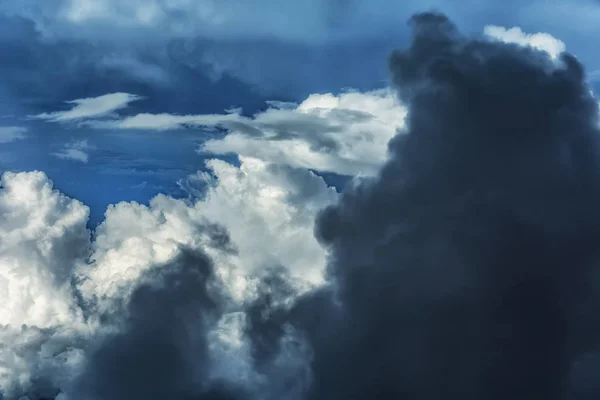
[(345, 134), (268, 212)]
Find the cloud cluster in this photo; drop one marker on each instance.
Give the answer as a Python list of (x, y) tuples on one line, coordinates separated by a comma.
[(464, 266), (64, 289)]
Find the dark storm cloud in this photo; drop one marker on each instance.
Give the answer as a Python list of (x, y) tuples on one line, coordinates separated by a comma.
[(160, 350), (463, 270)]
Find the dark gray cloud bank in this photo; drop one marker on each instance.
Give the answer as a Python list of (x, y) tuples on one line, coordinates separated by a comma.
[(467, 269)]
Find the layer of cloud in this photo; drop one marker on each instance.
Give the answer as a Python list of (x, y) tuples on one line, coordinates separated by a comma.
[(10, 134), (314, 22), (183, 53), (90, 107)]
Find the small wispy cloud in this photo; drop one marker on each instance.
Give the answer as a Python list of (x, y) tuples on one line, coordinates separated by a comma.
[(10, 134), (75, 151), (92, 107), (165, 121)]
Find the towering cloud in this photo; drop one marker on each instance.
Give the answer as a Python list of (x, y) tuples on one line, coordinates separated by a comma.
[(463, 266)]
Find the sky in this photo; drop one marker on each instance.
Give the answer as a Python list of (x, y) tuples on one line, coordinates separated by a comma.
[(200, 57), (319, 200)]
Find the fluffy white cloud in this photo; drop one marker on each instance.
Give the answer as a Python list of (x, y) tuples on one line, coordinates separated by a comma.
[(92, 107), (75, 151), (345, 134), (268, 212), (43, 236), (541, 41), (10, 134)]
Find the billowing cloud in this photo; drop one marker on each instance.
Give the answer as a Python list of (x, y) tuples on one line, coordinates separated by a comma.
[(258, 204), (10, 134), (75, 151), (90, 107), (60, 283), (345, 134)]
